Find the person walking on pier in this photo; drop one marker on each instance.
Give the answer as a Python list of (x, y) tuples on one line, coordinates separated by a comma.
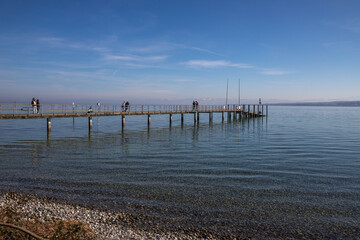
[(37, 106), (123, 106), (127, 105), (33, 104), (90, 110)]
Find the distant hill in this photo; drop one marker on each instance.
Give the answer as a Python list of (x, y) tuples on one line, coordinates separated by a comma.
[(325, 104)]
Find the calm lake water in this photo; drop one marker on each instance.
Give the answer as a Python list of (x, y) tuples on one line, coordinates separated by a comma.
[(293, 174)]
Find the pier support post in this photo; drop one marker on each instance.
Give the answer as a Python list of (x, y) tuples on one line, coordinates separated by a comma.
[(229, 116), (170, 119), (123, 121), (149, 120), (210, 116), (222, 116), (267, 110), (254, 110), (195, 117), (48, 138), (182, 119), (249, 111), (90, 123), (234, 115), (48, 121)]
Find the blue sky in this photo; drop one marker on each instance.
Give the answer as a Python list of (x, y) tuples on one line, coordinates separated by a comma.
[(175, 51)]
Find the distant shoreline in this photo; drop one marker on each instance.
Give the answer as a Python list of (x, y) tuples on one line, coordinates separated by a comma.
[(320, 104)]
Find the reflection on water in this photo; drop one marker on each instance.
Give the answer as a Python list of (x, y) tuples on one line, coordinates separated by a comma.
[(295, 173)]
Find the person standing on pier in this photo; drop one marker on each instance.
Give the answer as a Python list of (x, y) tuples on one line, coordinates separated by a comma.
[(90, 110), (37, 106), (33, 103)]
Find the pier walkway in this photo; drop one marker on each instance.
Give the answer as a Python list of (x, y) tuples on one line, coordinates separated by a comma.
[(48, 111)]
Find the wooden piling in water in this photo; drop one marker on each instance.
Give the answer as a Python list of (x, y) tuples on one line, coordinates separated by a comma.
[(123, 121), (48, 121), (90, 123), (267, 110), (149, 120)]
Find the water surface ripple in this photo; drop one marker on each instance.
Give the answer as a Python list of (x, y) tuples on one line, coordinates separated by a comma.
[(293, 174)]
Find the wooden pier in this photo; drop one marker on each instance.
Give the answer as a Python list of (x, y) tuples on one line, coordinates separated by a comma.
[(48, 111)]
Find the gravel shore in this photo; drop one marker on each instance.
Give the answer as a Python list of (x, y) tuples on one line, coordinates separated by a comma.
[(105, 224)]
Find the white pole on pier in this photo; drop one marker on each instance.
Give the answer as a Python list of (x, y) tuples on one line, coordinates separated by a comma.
[(239, 106), (239, 94), (227, 91)]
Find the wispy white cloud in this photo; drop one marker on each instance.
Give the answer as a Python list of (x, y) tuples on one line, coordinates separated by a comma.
[(167, 46), (340, 45), (270, 46), (152, 48), (132, 65), (65, 43), (273, 72), (216, 63), (133, 58), (51, 39), (197, 49), (352, 25)]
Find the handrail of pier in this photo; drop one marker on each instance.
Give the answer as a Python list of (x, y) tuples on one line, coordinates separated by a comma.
[(16, 109)]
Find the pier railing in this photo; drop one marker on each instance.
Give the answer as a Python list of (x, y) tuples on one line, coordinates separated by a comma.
[(28, 109), (48, 111)]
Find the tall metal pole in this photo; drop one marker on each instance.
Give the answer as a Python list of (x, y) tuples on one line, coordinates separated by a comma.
[(227, 90), (239, 91)]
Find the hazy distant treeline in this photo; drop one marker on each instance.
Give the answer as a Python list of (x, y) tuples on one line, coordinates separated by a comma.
[(330, 104)]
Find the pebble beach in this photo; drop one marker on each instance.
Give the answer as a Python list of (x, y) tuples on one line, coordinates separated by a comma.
[(105, 224)]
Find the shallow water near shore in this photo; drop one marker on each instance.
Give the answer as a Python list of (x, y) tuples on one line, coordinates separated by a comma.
[(295, 173)]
